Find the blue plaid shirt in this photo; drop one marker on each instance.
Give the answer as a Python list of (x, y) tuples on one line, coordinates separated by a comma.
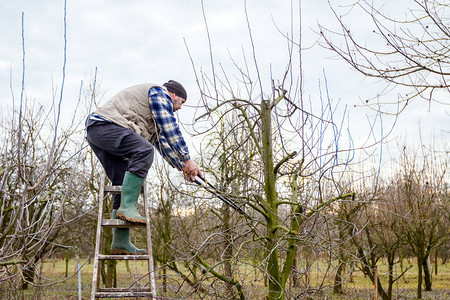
[(170, 143)]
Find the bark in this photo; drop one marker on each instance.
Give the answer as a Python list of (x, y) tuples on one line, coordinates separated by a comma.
[(228, 253), (419, 277), (28, 276), (164, 278), (337, 288), (426, 273), (436, 259), (67, 258), (273, 269), (380, 289), (294, 275), (368, 269), (110, 264), (391, 258)]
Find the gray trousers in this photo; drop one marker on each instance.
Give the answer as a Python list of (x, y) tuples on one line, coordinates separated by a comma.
[(119, 150)]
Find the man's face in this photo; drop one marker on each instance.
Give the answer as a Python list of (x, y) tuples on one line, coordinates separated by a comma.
[(177, 102)]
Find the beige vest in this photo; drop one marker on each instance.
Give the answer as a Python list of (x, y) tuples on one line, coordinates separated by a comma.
[(130, 108)]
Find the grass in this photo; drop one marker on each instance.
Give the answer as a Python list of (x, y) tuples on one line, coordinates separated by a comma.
[(53, 285)]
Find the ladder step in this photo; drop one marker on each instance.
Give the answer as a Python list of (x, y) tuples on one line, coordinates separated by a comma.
[(113, 189), (122, 294), (118, 223), (123, 257), (116, 189), (122, 289)]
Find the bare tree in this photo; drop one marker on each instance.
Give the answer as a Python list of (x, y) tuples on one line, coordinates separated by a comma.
[(289, 166), (422, 187), (373, 226), (396, 218), (38, 183), (409, 51), (42, 185)]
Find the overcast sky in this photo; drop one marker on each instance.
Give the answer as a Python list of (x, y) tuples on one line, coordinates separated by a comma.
[(131, 42)]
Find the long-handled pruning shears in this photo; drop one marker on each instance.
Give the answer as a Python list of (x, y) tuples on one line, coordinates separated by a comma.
[(213, 190)]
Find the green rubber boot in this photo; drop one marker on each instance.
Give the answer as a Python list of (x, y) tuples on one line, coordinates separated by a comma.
[(131, 188), (121, 243)]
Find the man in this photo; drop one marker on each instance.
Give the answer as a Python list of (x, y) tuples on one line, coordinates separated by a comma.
[(123, 133)]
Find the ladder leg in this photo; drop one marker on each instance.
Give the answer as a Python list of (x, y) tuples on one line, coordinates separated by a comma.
[(97, 291), (98, 242), (151, 269)]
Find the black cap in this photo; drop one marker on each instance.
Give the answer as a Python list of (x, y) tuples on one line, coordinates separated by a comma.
[(177, 88)]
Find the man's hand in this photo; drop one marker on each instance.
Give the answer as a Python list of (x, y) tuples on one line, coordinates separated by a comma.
[(191, 170)]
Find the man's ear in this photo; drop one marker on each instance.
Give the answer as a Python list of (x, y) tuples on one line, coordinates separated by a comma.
[(172, 95)]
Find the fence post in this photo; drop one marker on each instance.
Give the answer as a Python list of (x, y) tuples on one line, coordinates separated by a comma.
[(79, 281)]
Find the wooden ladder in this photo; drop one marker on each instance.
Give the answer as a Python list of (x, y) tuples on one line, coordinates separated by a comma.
[(97, 291)]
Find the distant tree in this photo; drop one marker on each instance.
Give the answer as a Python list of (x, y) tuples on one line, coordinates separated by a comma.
[(373, 227), (421, 189)]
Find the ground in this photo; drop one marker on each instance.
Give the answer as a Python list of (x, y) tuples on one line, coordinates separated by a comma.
[(361, 288)]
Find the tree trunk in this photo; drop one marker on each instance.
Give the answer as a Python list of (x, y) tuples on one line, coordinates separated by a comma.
[(391, 258), (103, 272), (427, 273), (401, 269), (110, 264), (275, 288), (28, 276), (368, 269), (228, 251), (115, 274), (67, 263), (273, 269), (419, 278), (337, 288), (381, 291), (436, 259), (164, 272), (110, 272), (294, 276)]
